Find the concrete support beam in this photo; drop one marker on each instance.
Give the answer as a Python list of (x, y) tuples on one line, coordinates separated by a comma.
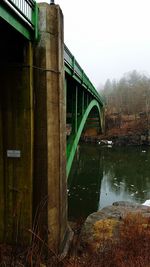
[(16, 145), (50, 185)]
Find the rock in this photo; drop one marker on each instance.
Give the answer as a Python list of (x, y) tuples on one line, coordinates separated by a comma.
[(103, 225), (146, 203)]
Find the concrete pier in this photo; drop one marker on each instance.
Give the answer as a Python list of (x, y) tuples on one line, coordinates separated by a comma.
[(50, 186), (16, 137), (33, 186)]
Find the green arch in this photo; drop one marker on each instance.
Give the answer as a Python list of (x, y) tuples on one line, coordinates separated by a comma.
[(74, 138)]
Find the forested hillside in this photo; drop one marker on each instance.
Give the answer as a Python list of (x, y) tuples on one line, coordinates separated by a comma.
[(128, 105)]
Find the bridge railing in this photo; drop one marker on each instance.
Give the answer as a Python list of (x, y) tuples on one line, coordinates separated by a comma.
[(26, 10), (74, 69)]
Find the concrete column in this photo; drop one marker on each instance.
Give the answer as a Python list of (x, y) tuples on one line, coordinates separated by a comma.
[(1, 179), (16, 143), (50, 194)]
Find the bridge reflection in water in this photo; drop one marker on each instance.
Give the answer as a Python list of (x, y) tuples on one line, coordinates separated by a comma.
[(102, 175), (85, 181)]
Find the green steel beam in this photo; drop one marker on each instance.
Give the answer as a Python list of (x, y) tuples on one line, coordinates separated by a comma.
[(73, 69), (74, 121), (70, 72), (92, 126), (35, 19), (82, 102), (74, 137), (15, 22), (18, 23), (76, 109), (87, 100)]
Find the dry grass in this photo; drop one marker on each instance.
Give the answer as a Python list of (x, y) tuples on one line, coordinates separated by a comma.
[(131, 249)]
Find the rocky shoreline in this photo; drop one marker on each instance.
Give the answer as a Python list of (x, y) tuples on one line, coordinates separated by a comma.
[(115, 236), (103, 225)]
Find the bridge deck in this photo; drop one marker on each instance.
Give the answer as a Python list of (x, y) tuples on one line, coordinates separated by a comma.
[(22, 15), (73, 68)]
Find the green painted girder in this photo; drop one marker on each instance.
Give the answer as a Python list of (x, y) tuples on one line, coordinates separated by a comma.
[(75, 136), (15, 18), (76, 72)]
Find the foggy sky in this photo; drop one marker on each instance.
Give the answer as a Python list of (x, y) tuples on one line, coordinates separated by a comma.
[(108, 37)]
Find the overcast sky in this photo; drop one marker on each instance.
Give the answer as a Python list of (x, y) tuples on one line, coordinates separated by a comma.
[(108, 37)]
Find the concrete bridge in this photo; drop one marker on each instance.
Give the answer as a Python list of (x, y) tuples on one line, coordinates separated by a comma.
[(41, 84)]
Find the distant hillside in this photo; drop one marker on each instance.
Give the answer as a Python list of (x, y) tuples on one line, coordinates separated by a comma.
[(128, 106)]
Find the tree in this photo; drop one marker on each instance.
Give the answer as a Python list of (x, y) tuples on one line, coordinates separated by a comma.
[(130, 96)]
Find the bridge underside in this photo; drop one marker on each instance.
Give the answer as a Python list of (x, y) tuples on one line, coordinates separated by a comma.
[(11, 45), (84, 105), (83, 111)]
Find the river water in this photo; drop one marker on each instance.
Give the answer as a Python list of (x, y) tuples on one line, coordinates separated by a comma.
[(103, 175)]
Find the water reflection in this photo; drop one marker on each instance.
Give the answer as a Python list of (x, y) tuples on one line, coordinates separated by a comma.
[(85, 182), (102, 175)]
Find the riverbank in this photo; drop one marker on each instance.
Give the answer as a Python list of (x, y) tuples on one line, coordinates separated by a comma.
[(119, 140), (129, 130), (116, 236), (100, 177)]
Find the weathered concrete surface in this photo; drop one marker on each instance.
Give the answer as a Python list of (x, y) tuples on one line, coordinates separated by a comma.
[(50, 129), (103, 225), (16, 133)]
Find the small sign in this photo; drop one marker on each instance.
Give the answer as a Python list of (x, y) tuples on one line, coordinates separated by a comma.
[(13, 153)]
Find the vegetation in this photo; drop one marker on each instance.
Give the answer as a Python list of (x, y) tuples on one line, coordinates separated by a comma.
[(130, 249), (128, 102)]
